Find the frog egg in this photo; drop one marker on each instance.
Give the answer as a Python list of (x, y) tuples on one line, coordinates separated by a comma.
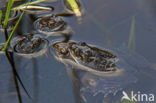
[(29, 45), (51, 25)]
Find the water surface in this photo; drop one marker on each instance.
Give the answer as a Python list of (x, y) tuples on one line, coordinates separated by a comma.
[(105, 24)]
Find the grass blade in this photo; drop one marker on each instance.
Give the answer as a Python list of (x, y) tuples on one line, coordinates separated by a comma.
[(34, 7), (29, 3), (10, 3), (131, 41), (0, 16), (0, 22), (11, 34), (74, 7)]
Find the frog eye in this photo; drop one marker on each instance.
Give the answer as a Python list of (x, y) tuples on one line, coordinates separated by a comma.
[(55, 46), (63, 51), (82, 43)]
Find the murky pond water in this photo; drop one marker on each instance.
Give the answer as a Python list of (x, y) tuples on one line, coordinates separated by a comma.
[(104, 25)]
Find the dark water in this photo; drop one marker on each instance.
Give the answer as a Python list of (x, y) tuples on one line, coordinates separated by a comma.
[(104, 23)]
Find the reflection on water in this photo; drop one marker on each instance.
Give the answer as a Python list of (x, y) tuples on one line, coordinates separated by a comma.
[(104, 23)]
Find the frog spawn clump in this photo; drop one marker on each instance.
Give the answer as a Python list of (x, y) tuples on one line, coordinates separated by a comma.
[(29, 45)]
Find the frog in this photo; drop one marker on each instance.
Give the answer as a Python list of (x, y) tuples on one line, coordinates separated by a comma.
[(81, 53), (29, 45), (51, 25), (85, 61)]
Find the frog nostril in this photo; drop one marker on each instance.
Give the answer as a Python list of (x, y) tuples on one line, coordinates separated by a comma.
[(50, 24)]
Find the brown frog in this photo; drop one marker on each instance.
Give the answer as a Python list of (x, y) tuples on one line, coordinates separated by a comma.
[(29, 45), (98, 70), (49, 24), (87, 55)]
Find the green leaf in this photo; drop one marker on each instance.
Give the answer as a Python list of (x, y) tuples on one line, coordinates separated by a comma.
[(12, 32), (131, 41), (73, 4), (0, 16), (10, 3), (29, 3)]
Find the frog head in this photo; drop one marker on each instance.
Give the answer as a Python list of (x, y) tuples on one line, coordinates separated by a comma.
[(61, 49)]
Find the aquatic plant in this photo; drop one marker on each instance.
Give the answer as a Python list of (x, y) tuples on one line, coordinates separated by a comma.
[(8, 54), (0, 16), (28, 4), (8, 41), (131, 41), (74, 7), (10, 3)]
